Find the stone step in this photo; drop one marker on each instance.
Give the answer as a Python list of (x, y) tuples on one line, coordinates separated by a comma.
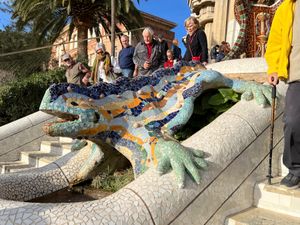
[(43, 161), (66, 140), (9, 163), (58, 148), (33, 157), (29, 160), (3, 164), (16, 167), (50, 151), (277, 198), (258, 216)]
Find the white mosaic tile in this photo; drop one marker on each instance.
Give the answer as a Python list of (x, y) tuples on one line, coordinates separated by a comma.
[(36, 183), (94, 212), (72, 163), (161, 195)]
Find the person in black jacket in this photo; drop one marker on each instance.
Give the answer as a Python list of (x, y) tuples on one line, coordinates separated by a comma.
[(164, 46), (196, 42), (214, 52), (147, 56), (176, 50)]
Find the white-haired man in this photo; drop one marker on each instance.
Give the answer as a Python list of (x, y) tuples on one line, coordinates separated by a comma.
[(148, 55)]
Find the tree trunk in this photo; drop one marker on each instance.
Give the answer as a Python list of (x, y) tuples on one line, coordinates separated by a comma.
[(82, 43)]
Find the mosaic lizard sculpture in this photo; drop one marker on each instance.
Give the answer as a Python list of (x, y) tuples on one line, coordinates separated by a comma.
[(246, 12), (138, 116)]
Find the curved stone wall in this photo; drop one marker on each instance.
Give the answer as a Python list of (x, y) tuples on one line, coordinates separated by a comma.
[(236, 144)]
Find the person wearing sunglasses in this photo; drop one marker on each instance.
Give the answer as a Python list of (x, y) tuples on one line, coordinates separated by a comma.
[(76, 72)]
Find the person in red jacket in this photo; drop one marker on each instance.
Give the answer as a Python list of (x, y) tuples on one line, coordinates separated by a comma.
[(170, 59)]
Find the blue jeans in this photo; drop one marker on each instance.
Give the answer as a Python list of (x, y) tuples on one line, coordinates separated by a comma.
[(127, 73)]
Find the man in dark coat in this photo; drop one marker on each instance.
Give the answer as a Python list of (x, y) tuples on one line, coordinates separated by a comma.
[(148, 55)]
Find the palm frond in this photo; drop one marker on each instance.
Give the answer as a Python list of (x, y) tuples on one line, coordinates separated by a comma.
[(48, 17)]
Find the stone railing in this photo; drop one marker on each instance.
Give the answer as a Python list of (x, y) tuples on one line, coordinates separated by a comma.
[(21, 135), (236, 144), (237, 147)]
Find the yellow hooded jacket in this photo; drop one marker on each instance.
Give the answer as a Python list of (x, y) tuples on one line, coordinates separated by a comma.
[(280, 40)]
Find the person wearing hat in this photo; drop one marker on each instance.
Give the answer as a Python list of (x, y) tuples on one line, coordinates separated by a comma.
[(76, 72), (102, 65)]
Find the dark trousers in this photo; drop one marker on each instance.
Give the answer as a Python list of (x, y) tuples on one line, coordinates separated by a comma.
[(291, 119)]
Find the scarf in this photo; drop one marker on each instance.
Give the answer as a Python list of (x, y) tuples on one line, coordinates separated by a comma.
[(104, 57)]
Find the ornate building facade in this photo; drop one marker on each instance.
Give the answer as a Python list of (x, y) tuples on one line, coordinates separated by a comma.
[(217, 18), (245, 24)]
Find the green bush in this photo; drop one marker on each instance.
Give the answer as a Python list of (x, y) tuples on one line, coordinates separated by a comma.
[(207, 107), (114, 182), (22, 97)]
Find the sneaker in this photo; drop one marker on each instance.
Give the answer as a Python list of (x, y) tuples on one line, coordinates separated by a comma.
[(290, 181)]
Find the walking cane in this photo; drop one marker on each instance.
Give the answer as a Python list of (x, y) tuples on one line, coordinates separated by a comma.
[(271, 133)]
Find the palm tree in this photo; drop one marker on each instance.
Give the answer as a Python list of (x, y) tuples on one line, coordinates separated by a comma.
[(49, 17)]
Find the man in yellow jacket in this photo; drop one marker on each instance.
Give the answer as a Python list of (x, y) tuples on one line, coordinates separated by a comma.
[(283, 59)]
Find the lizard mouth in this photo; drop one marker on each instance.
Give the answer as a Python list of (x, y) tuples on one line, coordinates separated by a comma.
[(68, 124), (63, 121), (63, 116), (73, 120)]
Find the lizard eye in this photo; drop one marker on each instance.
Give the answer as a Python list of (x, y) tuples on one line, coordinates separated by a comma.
[(74, 104), (97, 117)]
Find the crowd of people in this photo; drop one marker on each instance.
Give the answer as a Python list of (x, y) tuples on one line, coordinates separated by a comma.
[(151, 53), (218, 52)]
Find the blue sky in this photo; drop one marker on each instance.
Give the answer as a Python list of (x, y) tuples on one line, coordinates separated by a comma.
[(4, 17), (173, 10)]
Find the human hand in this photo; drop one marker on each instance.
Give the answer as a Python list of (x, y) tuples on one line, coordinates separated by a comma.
[(83, 68), (85, 80), (273, 79), (147, 65)]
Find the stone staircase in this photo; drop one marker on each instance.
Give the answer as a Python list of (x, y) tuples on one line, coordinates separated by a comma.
[(273, 205), (49, 152)]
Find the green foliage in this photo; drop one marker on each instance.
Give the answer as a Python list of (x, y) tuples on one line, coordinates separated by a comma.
[(113, 183), (23, 97), (49, 17), (23, 63), (207, 107)]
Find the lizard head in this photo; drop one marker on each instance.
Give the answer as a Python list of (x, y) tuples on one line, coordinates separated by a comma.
[(78, 114)]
